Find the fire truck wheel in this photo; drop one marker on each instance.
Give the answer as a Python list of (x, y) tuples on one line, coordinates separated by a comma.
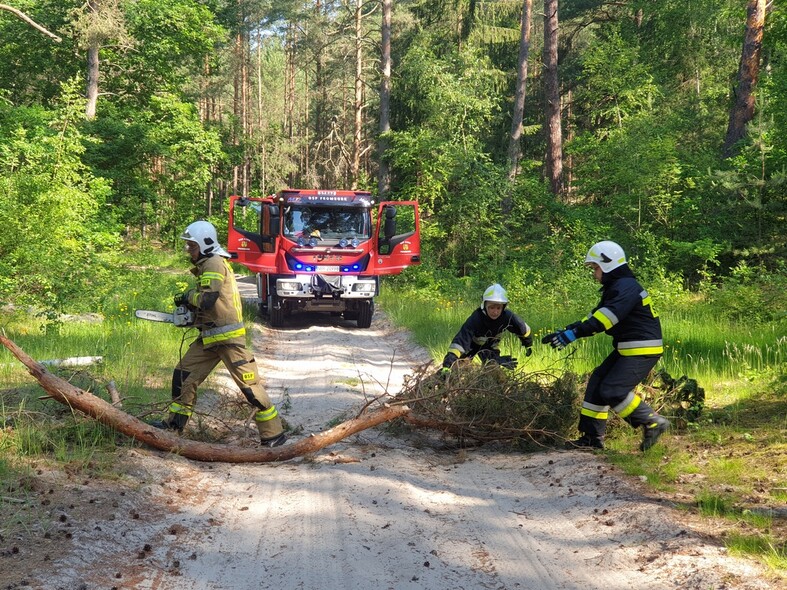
[(365, 313), (276, 316)]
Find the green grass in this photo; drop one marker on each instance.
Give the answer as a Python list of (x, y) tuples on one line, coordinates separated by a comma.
[(736, 451)]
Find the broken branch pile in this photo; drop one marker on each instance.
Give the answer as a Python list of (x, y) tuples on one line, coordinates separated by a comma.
[(489, 403)]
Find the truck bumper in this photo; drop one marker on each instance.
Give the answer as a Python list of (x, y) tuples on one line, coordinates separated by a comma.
[(326, 291)]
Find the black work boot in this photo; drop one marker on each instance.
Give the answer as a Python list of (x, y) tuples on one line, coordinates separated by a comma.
[(176, 422), (165, 425), (274, 441), (585, 441), (652, 431)]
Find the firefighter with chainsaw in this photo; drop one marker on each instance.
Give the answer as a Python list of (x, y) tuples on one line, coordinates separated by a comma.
[(625, 313), (217, 307), (481, 333)]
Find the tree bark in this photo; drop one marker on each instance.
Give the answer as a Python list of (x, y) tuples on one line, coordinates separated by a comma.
[(98, 409), (383, 171), (748, 72), (30, 21), (94, 44), (91, 91), (514, 147), (355, 165), (554, 155)]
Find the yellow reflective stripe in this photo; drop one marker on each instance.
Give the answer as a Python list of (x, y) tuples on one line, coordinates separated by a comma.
[(628, 405), (265, 415), (176, 408), (214, 276), (194, 298), (646, 350), (237, 304), (236, 300), (592, 414), (646, 302), (594, 411), (605, 320), (457, 350), (208, 276), (225, 336)]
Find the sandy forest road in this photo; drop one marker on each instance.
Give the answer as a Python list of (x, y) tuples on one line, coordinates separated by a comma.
[(378, 511)]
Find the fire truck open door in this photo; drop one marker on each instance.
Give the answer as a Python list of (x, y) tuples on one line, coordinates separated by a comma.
[(398, 237), (254, 226)]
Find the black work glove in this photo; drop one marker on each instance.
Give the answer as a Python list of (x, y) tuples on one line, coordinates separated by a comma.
[(559, 339), (527, 342), (507, 362), (449, 360), (181, 299)]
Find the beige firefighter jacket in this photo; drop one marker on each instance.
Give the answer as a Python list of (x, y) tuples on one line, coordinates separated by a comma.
[(217, 302)]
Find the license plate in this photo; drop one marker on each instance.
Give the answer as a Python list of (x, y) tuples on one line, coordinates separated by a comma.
[(327, 269)]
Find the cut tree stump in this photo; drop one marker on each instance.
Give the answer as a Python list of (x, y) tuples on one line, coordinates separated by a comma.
[(98, 409)]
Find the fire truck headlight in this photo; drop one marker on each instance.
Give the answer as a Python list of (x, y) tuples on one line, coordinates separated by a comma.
[(313, 242), (343, 243), (363, 286), (289, 286)]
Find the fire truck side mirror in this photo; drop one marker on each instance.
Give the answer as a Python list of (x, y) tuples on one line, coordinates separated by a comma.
[(389, 229)]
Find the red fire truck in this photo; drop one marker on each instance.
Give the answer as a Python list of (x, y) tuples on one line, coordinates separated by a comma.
[(322, 250)]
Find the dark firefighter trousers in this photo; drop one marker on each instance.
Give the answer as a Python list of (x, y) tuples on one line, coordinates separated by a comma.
[(196, 365), (611, 386)]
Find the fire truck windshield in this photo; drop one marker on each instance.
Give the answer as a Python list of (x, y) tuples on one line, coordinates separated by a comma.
[(328, 223)]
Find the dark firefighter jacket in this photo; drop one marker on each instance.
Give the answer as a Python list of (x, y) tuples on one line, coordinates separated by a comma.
[(625, 313), (217, 301), (480, 332)]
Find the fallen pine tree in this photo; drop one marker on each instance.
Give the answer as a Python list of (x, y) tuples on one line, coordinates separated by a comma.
[(478, 403), (95, 407)]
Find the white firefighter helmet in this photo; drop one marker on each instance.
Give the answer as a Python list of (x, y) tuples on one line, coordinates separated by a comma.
[(608, 255), (204, 234), (494, 294)]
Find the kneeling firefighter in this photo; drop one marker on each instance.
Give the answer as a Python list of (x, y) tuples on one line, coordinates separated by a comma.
[(481, 333), (217, 305)]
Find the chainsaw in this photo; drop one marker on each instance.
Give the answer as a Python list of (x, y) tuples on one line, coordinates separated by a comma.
[(182, 316)]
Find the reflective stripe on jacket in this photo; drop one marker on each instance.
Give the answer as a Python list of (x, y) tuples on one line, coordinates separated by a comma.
[(625, 312), (222, 322), (480, 332)]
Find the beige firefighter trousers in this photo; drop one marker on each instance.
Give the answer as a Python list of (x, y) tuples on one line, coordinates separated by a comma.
[(198, 362)]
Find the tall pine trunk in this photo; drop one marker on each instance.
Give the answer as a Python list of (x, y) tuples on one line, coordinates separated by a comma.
[(514, 147), (554, 154), (358, 102), (384, 172), (91, 92), (748, 71)]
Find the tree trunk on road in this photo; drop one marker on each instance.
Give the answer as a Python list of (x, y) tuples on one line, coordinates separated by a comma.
[(98, 409)]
